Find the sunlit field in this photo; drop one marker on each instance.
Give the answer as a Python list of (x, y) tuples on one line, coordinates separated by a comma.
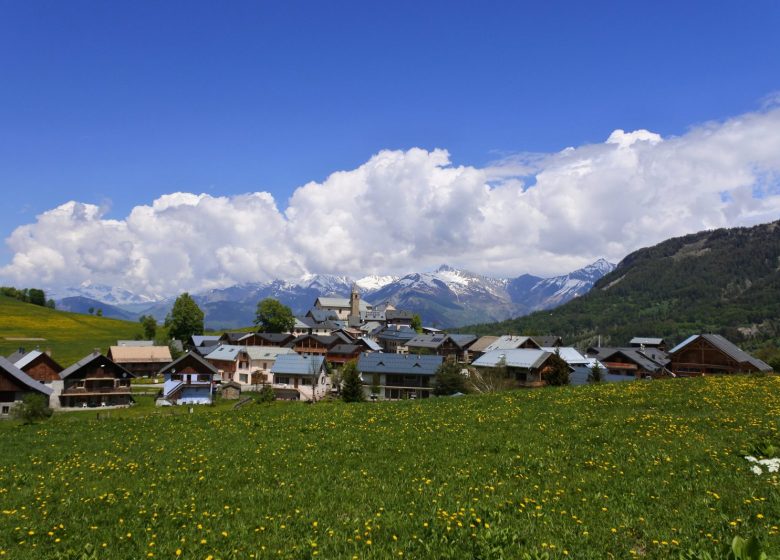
[(642, 469)]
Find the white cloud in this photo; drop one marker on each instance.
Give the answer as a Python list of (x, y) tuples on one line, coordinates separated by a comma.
[(411, 210)]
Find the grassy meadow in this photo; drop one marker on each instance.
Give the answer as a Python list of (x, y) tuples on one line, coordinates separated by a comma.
[(70, 336), (642, 469)]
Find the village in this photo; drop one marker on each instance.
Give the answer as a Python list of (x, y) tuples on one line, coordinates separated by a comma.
[(394, 361)]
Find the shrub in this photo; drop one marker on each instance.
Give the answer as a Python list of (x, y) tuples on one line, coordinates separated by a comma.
[(33, 407), (266, 394)]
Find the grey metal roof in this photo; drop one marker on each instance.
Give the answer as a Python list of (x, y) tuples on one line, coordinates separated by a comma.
[(428, 340), (508, 342), (278, 338), (727, 347), (371, 344), (398, 314), (225, 353), (649, 359), (295, 364), (86, 360), (463, 340), (25, 359), (207, 367), (345, 349), (23, 378), (482, 343), (570, 355), (135, 342), (401, 364), (321, 315), (647, 341), (199, 340), (547, 340), (526, 358), (342, 303), (266, 352)]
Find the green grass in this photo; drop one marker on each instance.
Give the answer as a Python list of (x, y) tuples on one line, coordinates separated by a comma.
[(70, 336), (642, 469)]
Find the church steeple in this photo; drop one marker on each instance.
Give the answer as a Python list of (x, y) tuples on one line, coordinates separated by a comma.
[(354, 302)]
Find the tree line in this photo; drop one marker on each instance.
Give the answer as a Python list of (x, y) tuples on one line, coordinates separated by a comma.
[(34, 296)]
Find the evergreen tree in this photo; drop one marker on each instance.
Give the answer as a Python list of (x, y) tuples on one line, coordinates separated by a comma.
[(185, 319), (559, 371), (352, 386), (449, 379), (149, 325)]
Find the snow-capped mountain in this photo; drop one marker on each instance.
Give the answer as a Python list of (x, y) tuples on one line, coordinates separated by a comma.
[(446, 297), (105, 294)]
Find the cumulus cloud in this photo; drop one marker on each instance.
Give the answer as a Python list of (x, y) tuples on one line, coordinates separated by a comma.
[(411, 210)]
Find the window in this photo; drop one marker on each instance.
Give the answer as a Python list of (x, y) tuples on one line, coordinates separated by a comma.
[(282, 380), (305, 381), (243, 378), (204, 377), (243, 365), (5, 410), (176, 377)]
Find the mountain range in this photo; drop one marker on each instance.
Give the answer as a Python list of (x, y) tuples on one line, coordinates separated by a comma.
[(446, 297), (724, 281)]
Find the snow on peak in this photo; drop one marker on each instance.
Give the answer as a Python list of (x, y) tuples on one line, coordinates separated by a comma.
[(374, 282)]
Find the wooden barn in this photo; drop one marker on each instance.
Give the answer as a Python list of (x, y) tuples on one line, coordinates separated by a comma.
[(703, 354)]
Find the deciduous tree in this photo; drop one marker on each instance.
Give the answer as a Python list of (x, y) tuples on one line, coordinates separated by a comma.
[(185, 319), (273, 316)]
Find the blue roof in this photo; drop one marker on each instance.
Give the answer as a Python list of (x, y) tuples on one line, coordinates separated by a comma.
[(399, 364), (295, 364)]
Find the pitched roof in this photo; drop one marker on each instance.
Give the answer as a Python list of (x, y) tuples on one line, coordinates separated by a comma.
[(463, 340), (266, 352), (727, 347), (401, 364), (23, 378), (509, 342), (295, 364), (345, 349), (21, 359), (428, 340), (88, 359), (370, 344), (233, 337), (569, 355), (342, 303), (649, 359), (526, 358), (646, 341), (225, 353), (191, 356), (321, 315), (140, 354), (482, 343), (135, 342), (547, 340), (401, 335), (278, 338), (200, 340)]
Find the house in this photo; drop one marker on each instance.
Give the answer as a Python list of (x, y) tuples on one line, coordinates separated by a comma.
[(637, 363), (15, 385), (399, 376), (394, 339), (449, 346), (318, 345), (582, 366), (250, 366), (702, 354), (271, 339), (235, 338), (344, 307), (38, 365), (41, 367), (398, 317), (480, 345), (306, 374), (228, 359), (525, 367), (143, 361), (188, 380), (343, 353), (512, 342), (95, 380), (647, 342)]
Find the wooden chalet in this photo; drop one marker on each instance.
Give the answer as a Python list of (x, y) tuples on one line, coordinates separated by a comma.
[(634, 362), (525, 367), (318, 345), (95, 380), (451, 347), (143, 361), (38, 365), (704, 354), (343, 353), (15, 385), (270, 339)]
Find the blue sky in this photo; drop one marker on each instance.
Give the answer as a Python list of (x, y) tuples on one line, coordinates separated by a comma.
[(117, 103)]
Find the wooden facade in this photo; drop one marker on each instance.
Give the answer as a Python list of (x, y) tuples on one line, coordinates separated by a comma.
[(705, 355), (43, 368), (96, 381)]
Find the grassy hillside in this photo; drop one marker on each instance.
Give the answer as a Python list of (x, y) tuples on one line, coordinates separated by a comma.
[(641, 469), (724, 281), (70, 336)]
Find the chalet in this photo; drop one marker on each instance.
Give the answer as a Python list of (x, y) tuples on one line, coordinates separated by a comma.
[(140, 360), (307, 325), (38, 365), (318, 345), (306, 374), (272, 339), (343, 353), (394, 339), (399, 317), (399, 376), (582, 365), (15, 385), (235, 338), (636, 363), (188, 380), (453, 347), (228, 359), (512, 342), (95, 380), (703, 354), (647, 342), (526, 367)]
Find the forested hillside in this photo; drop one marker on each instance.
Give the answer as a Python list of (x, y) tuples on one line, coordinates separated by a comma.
[(724, 281)]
